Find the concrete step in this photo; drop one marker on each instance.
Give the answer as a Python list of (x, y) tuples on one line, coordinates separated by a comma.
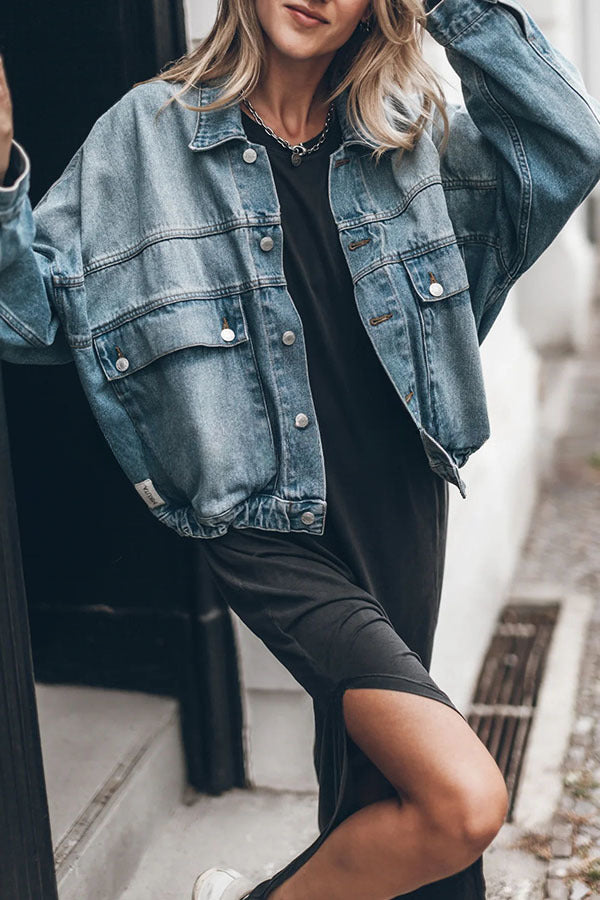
[(114, 775), (256, 831)]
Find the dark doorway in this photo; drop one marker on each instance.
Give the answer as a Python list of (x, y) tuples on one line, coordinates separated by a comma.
[(115, 598)]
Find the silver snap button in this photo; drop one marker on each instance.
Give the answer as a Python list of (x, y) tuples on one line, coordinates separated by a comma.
[(228, 334), (301, 420), (122, 364), (266, 243), (307, 517), (249, 155), (288, 337), (436, 289)]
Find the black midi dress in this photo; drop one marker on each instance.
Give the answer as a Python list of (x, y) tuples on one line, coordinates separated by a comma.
[(358, 605)]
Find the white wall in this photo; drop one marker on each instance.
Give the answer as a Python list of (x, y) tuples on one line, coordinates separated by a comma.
[(590, 15), (486, 531), (200, 15)]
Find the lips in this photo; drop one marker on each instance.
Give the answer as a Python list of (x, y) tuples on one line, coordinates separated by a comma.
[(306, 12)]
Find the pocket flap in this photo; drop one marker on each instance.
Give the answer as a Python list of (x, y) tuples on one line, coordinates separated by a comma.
[(218, 322), (443, 267)]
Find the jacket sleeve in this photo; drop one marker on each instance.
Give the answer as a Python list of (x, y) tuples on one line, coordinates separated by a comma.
[(33, 249), (523, 151)]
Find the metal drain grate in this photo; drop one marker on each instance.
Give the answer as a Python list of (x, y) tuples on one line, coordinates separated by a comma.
[(506, 694)]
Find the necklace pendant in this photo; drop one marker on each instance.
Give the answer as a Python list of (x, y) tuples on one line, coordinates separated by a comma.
[(298, 151)]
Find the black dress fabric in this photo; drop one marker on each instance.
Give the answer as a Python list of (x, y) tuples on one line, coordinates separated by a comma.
[(358, 605)]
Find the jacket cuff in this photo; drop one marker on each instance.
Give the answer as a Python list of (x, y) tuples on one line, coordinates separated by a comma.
[(18, 174), (446, 19)]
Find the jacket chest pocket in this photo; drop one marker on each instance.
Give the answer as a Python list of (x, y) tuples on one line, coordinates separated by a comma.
[(188, 377), (438, 274), (439, 285)]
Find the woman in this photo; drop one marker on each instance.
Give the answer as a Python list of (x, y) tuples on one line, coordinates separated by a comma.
[(384, 327)]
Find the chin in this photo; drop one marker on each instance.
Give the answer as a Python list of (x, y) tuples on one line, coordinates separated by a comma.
[(295, 48)]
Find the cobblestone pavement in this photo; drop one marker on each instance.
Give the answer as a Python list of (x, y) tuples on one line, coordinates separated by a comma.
[(563, 548)]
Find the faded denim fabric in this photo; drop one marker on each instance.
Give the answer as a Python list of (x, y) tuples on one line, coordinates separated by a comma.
[(155, 264)]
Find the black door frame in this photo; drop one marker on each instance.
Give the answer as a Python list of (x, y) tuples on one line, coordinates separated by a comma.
[(26, 860)]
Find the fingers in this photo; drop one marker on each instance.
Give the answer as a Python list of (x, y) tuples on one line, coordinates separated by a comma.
[(6, 121), (5, 99)]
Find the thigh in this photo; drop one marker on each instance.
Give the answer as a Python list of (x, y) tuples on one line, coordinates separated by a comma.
[(299, 599), (426, 749), (398, 554)]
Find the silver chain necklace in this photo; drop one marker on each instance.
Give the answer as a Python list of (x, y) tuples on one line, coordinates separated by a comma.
[(299, 151)]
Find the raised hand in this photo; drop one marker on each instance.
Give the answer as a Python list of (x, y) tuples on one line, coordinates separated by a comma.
[(6, 123)]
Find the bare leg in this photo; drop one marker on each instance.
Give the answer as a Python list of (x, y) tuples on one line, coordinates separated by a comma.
[(451, 801)]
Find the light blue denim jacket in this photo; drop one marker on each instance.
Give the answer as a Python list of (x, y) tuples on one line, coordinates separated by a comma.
[(155, 264)]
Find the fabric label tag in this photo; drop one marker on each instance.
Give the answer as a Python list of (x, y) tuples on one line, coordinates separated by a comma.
[(148, 493)]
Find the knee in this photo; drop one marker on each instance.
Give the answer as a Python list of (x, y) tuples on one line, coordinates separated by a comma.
[(481, 817), (472, 815)]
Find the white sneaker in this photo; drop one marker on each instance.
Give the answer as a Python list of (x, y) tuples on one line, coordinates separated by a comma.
[(221, 884)]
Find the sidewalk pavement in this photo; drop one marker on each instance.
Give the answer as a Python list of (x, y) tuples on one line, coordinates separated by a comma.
[(563, 550)]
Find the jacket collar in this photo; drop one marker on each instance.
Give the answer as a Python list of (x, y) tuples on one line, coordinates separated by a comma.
[(219, 125)]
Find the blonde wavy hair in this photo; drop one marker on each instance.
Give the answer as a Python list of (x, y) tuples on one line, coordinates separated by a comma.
[(393, 91)]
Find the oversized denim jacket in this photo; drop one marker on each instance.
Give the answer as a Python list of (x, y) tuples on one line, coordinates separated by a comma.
[(155, 264)]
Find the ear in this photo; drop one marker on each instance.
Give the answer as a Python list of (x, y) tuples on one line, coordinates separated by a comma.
[(367, 14)]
